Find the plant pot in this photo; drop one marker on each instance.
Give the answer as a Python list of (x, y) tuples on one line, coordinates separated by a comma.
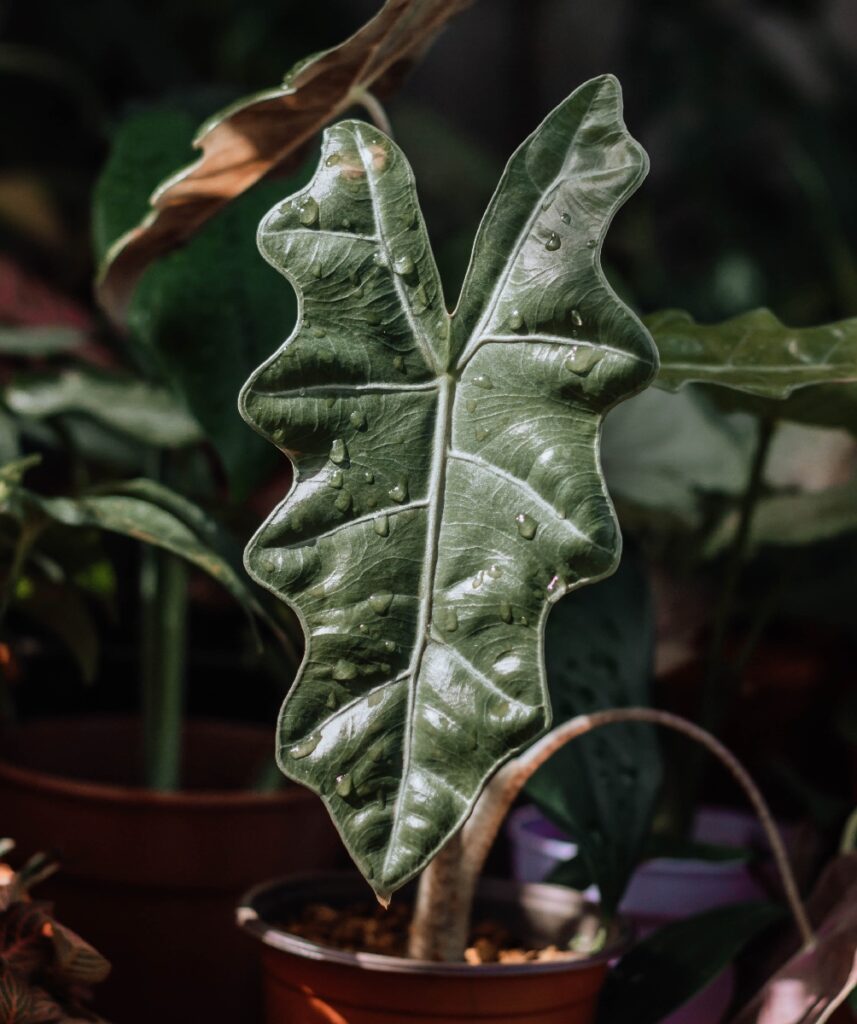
[(310, 984), (663, 889), (151, 878)]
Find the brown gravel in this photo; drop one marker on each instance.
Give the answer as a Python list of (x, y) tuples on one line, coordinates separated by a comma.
[(367, 928)]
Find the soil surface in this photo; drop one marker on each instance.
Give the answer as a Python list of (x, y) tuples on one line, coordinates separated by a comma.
[(368, 928)]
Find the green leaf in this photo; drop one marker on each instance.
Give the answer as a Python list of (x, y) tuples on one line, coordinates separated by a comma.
[(32, 342), (172, 524), (62, 611), (265, 132), (790, 520), (668, 451), (447, 481), (601, 790), (128, 405), (206, 315), (674, 963), (806, 374)]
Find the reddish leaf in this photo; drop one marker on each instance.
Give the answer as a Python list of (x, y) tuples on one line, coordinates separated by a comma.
[(24, 939), (815, 981), (270, 131), (16, 999)]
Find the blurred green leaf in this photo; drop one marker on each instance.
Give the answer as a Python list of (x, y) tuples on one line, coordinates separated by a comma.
[(790, 520), (806, 374), (129, 405), (62, 611), (39, 341), (670, 966), (601, 789), (666, 451)]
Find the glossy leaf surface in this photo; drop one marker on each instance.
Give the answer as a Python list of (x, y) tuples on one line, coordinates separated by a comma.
[(242, 143), (447, 480), (807, 374)]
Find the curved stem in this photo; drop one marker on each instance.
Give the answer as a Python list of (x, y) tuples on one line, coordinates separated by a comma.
[(374, 108), (480, 830)]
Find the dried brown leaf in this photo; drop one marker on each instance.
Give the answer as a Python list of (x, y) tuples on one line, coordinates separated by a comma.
[(270, 131), (814, 982)]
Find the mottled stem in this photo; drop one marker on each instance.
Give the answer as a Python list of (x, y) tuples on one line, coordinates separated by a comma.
[(444, 902)]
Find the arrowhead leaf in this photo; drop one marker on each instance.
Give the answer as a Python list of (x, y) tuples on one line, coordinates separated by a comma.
[(447, 486), (806, 374), (242, 143)]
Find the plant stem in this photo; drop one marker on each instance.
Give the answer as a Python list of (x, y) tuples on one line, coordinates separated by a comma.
[(374, 108), (715, 696), (163, 583), (456, 884)]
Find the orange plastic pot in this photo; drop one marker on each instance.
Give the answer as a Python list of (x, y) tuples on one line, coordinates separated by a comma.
[(310, 984), (151, 878)]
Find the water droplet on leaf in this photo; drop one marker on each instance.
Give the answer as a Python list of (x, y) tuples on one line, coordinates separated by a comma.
[(450, 620), (344, 670), (553, 242), (315, 269), (403, 265), (308, 212), (505, 611), (343, 502), (482, 433), (380, 602), (336, 479), (399, 491), (516, 320), (338, 451), (357, 420), (482, 380), (527, 526), (343, 785), (398, 362), (566, 218), (305, 747), (576, 318), (581, 359)]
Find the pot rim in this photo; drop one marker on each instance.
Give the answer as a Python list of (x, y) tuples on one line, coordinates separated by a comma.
[(250, 920), (112, 793)]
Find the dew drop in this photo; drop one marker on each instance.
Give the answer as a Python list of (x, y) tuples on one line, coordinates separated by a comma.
[(308, 212), (566, 218), (419, 299), (553, 242), (524, 621), (501, 708), (482, 380), (516, 320), (305, 747), (381, 525), (471, 405), (398, 362), (344, 670), (494, 571), (380, 602), (591, 243), (278, 436), (576, 318), (482, 433), (315, 269), (390, 645), (379, 259), (403, 265), (336, 479), (357, 420), (478, 580), (346, 223), (581, 359), (527, 526), (450, 620), (343, 502), (505, 611), (399, 491), (373, 700), (344, 785), (338, 451), (371, 502), (332, 702)]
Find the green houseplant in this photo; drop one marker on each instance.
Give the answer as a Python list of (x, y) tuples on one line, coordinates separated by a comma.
[(447, 491)]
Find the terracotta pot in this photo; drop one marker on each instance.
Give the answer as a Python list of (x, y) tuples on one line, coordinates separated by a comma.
[(310, 984), (152, 878)]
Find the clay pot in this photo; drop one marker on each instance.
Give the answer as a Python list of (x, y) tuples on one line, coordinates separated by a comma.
[(151, 878), (310, 984)]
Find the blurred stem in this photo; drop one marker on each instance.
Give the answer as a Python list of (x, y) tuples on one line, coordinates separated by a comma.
[(715, 693), (375, 109), (163, 643)]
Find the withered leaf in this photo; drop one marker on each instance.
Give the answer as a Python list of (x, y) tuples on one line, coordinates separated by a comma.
[(267, 131)]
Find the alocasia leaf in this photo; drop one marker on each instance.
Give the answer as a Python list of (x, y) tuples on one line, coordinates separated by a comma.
[(806, 374), (447, 487), (241, 144)]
